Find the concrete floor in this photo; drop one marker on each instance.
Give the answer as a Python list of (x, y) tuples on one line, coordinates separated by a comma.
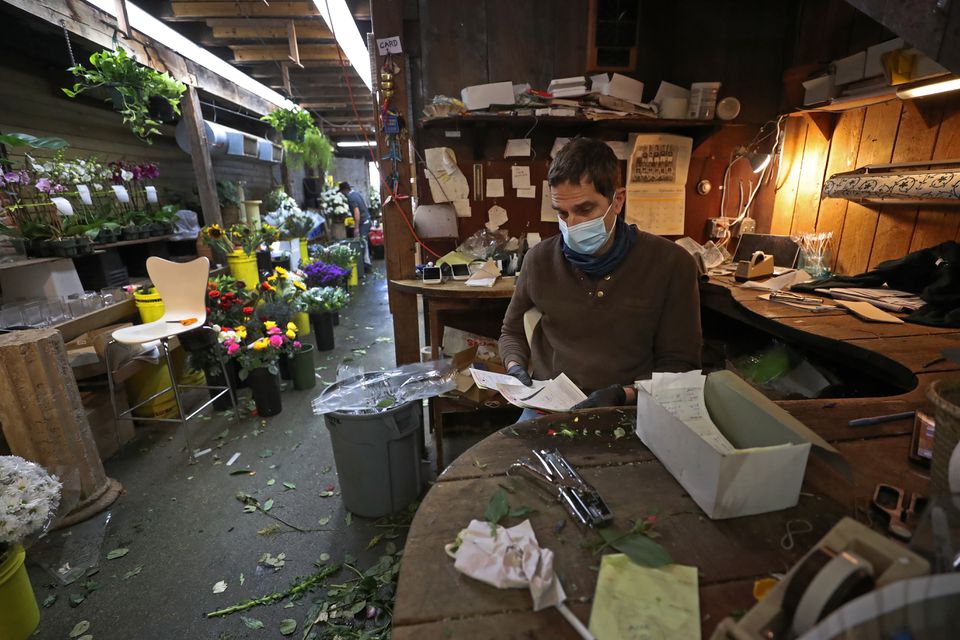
[(184, 526)]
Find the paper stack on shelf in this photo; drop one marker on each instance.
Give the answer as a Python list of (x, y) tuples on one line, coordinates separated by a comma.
[(568, 87)]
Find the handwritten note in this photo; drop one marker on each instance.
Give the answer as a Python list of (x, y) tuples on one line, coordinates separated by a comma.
[(682, 395), (389, 45), (495, 187), (520, 176)]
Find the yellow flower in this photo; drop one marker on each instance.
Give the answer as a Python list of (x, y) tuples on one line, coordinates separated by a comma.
[(269, 324), (261, 344), (299, 285), (291, 326), (291, 334), (272, 278), (241, 331), (280, 270)]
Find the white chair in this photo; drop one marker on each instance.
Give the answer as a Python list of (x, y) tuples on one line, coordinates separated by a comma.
[(183, 287)]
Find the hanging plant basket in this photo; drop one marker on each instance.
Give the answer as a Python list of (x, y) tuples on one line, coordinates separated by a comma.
[(160, 109)]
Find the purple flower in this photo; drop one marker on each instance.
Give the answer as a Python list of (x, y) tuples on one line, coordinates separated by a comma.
[(11, 177), (44, 185), (321, 274)]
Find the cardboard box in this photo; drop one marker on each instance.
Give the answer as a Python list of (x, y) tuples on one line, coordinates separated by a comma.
[(466, 387), (109, 434), (763, 474), (819, 89), (849, 69), (873, 65), (625, 88), (481, 96)]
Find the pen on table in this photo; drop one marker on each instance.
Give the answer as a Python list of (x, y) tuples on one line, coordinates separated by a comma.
[(866, 422)]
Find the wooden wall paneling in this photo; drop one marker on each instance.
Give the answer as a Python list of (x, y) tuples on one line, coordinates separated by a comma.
[(915, 141), (453, 46), (876, 147), (788, 175), (569, 38), (935, 225), (812, 167), (844, 146), (519, 34)]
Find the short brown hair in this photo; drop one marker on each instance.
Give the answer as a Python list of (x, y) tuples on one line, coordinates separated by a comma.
[(586, 159)]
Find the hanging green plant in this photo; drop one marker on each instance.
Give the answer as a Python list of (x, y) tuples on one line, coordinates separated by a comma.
[(144, 97), (315, 152), (292, 123)]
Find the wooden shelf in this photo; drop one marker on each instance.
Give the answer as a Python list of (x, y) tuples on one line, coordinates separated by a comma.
[(633, 123), (95, 319), (125, 243), (28, 262)]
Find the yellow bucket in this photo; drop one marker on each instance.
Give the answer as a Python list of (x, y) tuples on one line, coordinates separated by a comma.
[(153, 378), (19, 614), (149, 304), (243, 267), (304, 253), (354, 278), (302, 320)]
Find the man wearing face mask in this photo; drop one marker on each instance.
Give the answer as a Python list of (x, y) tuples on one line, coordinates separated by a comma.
[(617, 303)]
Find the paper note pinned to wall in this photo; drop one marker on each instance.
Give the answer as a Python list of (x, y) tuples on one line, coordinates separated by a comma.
[(558, 143), (517, 147), (656, 179), (463, 208), (520, 176), (494, 187), (121, 192), (63, 206), (151, 194), (547, 212), (447, 182), (496, 217), (84, 192), (527, 192)]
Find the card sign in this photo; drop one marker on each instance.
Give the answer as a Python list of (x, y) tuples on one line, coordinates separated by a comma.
[(389, 45), (84, 192), (63, 206), (151, 194), (121, 192)]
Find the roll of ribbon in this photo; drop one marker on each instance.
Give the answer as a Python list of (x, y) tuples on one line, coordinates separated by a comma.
[(843, 578)]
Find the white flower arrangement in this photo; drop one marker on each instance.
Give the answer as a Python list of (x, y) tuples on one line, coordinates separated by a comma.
[(333, 203), (29, 497)]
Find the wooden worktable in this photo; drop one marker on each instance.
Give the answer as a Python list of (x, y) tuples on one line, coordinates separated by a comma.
[(435, 601)]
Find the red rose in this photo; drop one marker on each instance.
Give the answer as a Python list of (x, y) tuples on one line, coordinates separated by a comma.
[(229, 295), (225, 305), (214, 294), (551, 432), (248, 311)]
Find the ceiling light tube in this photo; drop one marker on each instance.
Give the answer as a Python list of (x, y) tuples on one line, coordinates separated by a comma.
[(356, 143), (340, 21), (929, 89)]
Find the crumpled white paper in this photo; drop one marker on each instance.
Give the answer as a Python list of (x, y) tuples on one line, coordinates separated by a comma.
[(509, 559)]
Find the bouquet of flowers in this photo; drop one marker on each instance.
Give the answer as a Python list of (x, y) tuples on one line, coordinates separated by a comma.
[(342, 255), (281, 295), (238, 236), (252, 352), (323, 274), (325, 299), (228, 301), (29, 497), (333, 203)]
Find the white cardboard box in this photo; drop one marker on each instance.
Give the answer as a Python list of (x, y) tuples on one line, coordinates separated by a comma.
[(481, 96), (819, 89), (625, 88), (764, 473), (873, 65), (849, 69)]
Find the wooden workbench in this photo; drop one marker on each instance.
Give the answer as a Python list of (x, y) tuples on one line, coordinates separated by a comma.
[(435, 601)]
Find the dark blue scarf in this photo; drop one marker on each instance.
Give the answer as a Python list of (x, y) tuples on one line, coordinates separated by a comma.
[(624, 235)]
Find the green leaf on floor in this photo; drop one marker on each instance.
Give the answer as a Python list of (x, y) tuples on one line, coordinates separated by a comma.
[(269, 530), (637, 546), (348, 518), (252, 623), (133, 572), (242, 579), (289, 485), (327, 494), (266, 453), (271, 482), (369, 328), (48, 601), (384, 339), (220, 586), (479, 465), (223, 434), (288, 626), (268, 505), (327, 469), (276, 562), (325, 520), (497, 508), (521, 511), (374, 541), (618, 433), (242, 472), (80, 628), (76, 599), (117, 553), (324, 557)]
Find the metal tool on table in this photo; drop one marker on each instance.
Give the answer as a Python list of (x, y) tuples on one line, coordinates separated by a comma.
[(580, 499), (902, 513)]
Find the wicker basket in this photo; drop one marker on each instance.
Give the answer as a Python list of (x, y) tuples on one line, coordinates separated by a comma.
[(945, 395)]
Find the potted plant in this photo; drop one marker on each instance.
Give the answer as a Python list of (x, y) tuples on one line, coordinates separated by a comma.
[(257, 361), (137, 92), (292, 123), (229, 195), (321, 304), (29, 497), (314, 152), (280, 299)]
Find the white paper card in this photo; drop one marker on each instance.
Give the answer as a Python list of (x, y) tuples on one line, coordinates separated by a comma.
[(527, 192), (151, 194), (121, 192), (63, 206), (520, 176), (497, 217), (389, 45), (559, 394), (463, 208), (547, 212), (84, 192), (447, 182), (517, 147), (494, 187), (533, 239)]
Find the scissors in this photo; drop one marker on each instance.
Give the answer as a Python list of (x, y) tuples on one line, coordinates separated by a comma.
[(892, 501)]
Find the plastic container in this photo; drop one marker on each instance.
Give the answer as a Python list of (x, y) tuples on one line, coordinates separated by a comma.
[(354, 275), (945, 395), (149, 304), (302, 368), (302, 320), (243, 267), (378, 458), (304, 253), (19, 614)]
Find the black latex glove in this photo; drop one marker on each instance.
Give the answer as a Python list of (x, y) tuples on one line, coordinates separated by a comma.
[(519, 372), (612, 396)]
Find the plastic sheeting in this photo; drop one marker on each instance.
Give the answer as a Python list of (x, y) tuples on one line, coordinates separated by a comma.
[(381, 390)]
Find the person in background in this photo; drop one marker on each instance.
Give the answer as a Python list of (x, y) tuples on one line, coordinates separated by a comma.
[(617, 303), (360, 213)]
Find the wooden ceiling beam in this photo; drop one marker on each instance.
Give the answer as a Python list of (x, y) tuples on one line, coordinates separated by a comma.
[(183, 10), (270, 30), (267, 52)]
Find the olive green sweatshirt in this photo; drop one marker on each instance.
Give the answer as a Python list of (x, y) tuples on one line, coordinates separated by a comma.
[(615, 329)]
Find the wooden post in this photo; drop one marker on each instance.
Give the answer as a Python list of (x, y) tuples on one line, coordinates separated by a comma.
[(43, 419), (292, 42), (399, 245), (200, 154)]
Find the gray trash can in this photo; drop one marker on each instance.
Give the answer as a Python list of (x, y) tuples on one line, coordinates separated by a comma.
[(378, 458)]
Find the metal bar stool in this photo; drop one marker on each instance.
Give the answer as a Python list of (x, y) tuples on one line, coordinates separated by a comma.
[(182, 286)]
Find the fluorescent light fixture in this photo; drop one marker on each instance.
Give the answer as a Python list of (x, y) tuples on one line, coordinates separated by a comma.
[(340, 21), (356, 143), (929, 89), (153, 28)]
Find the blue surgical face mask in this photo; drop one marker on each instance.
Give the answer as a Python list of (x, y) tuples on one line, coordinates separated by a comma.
[(587, 237)]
